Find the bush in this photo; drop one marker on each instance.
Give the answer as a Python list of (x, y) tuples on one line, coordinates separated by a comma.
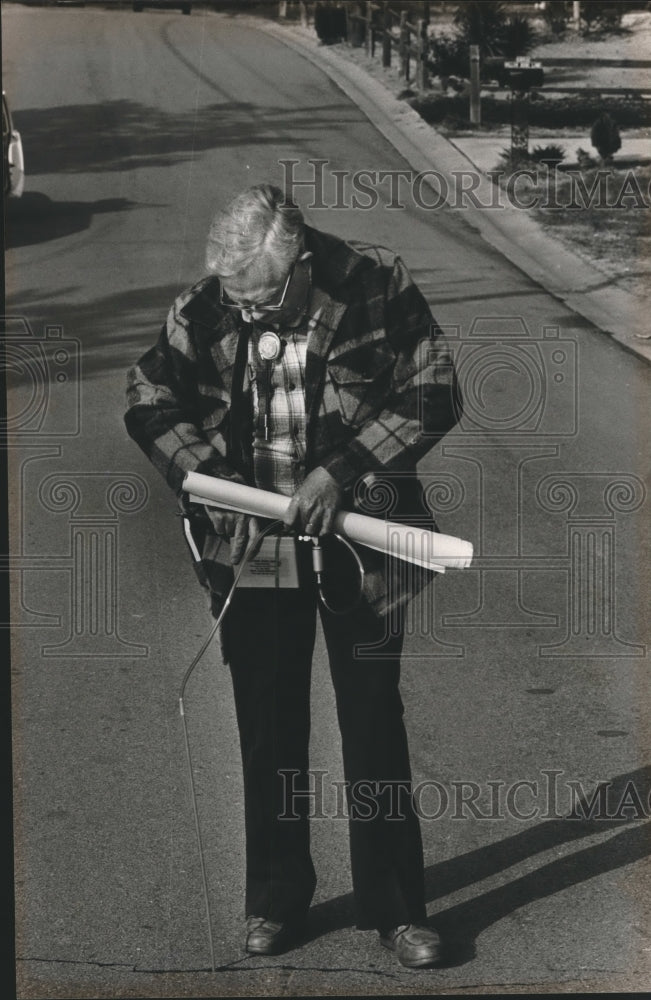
[(486, 25), (584, 160), (544, 111), (555, 14), (605, 137), (482, 23), (518, 37), (448, 56), (551, 154), (601, 16), (329, 22), (512, 159)]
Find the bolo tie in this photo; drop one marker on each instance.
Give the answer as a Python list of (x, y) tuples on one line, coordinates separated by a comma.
[(270, 347)]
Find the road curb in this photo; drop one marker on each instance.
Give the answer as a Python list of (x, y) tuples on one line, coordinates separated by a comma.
[(573, 280)]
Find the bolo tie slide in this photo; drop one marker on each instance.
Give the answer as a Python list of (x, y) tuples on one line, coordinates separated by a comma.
[(270, 347)]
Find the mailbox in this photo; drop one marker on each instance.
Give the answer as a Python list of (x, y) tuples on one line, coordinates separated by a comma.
[(522, 74)]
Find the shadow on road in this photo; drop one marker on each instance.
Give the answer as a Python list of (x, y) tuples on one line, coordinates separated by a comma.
[(113, 331), (123, 134), (460, 925), (35, 218)]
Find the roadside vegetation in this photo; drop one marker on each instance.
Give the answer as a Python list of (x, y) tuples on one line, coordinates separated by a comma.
[(617, 232), (451, 111), (610, 226)]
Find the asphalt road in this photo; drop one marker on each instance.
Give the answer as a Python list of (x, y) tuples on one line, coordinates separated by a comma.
[(530, 667)]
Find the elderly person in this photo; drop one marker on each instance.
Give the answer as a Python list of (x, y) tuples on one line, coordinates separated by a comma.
[(311, 367)]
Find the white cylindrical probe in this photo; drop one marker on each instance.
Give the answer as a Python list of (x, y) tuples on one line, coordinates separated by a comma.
[(429, 549)]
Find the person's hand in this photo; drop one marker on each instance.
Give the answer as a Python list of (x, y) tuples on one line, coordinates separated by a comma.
[(315, 504), (239, 529)]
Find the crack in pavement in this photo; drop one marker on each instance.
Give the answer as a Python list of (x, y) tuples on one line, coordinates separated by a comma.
[(230, 967)]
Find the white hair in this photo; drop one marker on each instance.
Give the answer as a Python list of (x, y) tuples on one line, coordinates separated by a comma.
[(260, 222)]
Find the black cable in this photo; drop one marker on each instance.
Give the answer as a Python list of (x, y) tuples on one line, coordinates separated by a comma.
[(247, 555), (318, 566), (317, 563)]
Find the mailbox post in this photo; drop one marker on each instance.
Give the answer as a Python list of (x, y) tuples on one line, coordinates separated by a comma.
[(521, 76)]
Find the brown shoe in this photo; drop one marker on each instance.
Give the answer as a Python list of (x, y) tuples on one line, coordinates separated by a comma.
[(414, 946), (265, 937)]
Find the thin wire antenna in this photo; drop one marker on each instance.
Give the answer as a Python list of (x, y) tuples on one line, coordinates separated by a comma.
[(197, 826), (360, 570)]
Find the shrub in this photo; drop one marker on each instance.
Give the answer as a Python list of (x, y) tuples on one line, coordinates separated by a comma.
[(486, 25), (584, 160), (546, 112), (512, 159), (555, 15), (550, 154), (448, 56), (518, 37), (482, 23), (329, 22), (605, 137), (602, 16)]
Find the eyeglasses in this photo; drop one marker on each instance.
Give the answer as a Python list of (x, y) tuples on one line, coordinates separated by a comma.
[(229, 303)]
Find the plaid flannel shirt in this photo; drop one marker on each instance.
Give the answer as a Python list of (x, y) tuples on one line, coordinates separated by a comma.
[(380, 392), (279, 462), (279, 458)]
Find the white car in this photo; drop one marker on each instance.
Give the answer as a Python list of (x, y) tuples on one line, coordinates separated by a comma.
[(12, 154)]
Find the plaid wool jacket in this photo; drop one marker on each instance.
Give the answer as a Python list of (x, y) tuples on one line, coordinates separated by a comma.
[(380, 392)]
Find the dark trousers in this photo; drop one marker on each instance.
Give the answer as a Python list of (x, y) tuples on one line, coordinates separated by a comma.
[(268, 641)]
